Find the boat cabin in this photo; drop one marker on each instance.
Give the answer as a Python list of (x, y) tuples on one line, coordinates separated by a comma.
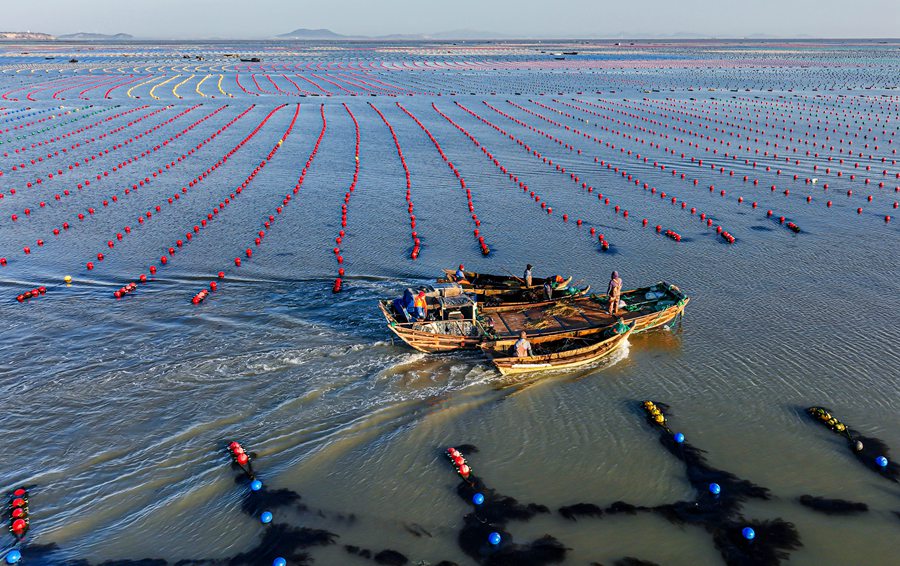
[(445, 302)]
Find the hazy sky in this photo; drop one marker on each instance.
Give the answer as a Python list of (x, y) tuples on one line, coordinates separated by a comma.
[(573, 18)]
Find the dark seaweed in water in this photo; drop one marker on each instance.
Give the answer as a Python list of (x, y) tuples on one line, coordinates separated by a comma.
[(473, 540), (717, 514), (492, 516), (872, 449), (365, 553), (268, 499), (416, 530), (285, 541), (497, 507), (833, 506), (631, 561), (625, 508), (277, 540), (47, 554), (572, 512), (545, 550), (700, 474), (390, 558), (387, 557), (773, 541)]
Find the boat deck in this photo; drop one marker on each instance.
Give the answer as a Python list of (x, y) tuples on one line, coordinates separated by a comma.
[(573, 315)]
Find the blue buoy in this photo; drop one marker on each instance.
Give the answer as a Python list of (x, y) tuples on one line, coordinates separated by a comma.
[(494, 538), (266, 517), (256, 485), (881, 461), (748, 533), (679, 438), (13, 557), (279, 562), (715, 488), (478, 499)]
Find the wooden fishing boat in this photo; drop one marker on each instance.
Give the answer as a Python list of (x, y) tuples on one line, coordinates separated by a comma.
[(560, 353), (454, 323), (491, 284), (648, 307), (461, 323), (527, 298)]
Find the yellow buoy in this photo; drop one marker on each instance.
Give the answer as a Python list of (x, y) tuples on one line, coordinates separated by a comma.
[(67, 279)]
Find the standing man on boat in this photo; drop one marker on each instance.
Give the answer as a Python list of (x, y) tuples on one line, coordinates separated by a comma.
[(614, 291), (460, 275), (522, 347), (528, 275)]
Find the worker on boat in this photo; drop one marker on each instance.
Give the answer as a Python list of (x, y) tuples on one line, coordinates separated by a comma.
[(620, 327), (419, 307), (403, 305), (460, 274), (528, 277), (614, 291), (522, 347), (551, 284)]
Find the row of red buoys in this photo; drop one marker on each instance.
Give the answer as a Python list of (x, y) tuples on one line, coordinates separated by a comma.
[(66, 135), (33, 293), (122, 164), (485, 250), (268, 222), (409, 203), (168, 168), (807, 181), (115, 198), (719, 230), (76, 145), (19, 522), (216, 210), (604, 244), (608, 166), (339, 281), (195, 181)]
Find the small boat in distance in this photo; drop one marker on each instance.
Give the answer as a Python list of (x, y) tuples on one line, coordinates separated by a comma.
[(563, 352)]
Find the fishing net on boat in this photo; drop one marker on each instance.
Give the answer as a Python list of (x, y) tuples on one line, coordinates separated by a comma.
[(562, 310), (452, 327)]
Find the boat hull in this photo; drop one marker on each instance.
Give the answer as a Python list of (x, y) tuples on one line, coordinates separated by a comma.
[(562, 360), (419, 338)]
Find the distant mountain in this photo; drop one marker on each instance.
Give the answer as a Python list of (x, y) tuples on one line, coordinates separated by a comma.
[(25, 35), (303, 33), (95, 36)]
